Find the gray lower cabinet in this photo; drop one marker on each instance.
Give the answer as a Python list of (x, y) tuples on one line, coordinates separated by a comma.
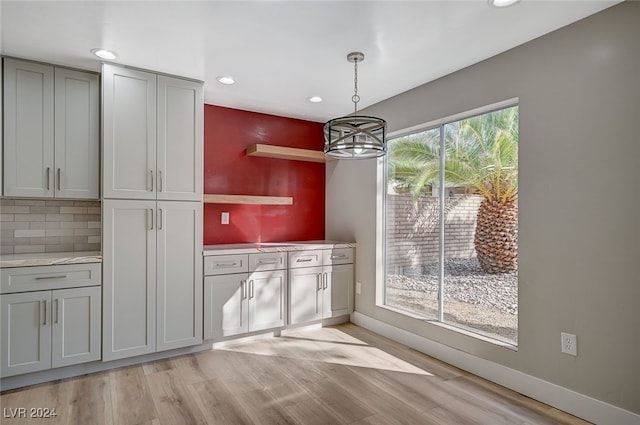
[(251, 292), (26, 332), (75, 331), (129, 278), (320, 284), (320, 292), (51, 328), (338, 290), (238, 303), (179, 274), (226, 305), (305, 294), (152, 260)]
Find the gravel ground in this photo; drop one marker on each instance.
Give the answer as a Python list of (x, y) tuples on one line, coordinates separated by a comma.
[(473, 298)]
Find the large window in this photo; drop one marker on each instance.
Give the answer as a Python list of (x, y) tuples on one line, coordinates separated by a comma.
[(452, 224)]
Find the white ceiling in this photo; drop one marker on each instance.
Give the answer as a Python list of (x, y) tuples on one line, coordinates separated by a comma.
[(282, 52)]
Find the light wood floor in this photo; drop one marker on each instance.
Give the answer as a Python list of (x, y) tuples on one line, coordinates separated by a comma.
[(333, 376)]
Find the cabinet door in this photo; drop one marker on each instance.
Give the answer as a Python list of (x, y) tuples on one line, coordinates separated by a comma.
[(129, 133), (225, 305), (28, 129), (129, 278), (338, 290), (75, 333), (267, 295), (179, 274), (26, 332), (305, 294), (76, 134), (180, 139), (1, 132)]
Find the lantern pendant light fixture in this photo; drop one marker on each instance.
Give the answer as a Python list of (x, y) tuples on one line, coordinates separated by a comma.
[(354, 136)]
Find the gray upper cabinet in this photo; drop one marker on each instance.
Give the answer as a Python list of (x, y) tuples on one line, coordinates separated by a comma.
[(28, 129), (180, 139), (77, 135), (51, 137), (152, 136), (129, 133)]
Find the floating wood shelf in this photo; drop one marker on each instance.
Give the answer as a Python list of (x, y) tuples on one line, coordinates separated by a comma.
[(282, 152), (247, 199)]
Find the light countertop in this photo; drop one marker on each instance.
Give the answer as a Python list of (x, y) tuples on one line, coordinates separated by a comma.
[(252, 248), (49, 259)]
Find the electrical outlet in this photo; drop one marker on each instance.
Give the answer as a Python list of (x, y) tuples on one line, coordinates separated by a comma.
[(569, 344), (224, 218), (358, 288)]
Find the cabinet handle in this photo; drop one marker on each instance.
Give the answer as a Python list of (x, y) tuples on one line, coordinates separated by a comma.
[(268, 261), (159, 180), (324, 281), (160, 218), (234, 264), (57, 310), (45, 312), (243, 286), (62, 276), (151, 171), (319, 280), (58, 180), (251, 288), (339, 257), (151, 217), (304, 259), (48, 178)]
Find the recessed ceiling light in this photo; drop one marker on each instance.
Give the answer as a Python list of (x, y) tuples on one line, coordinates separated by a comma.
[(104, 54), (314, 99), (226, 80), (502, 3)]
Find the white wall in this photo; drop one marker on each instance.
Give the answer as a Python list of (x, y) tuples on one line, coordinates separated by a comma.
[(579, 223)]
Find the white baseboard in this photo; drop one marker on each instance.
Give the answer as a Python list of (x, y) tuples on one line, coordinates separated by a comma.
[(577, 404)]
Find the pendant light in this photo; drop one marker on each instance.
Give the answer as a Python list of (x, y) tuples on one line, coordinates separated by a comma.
[(354, 136)]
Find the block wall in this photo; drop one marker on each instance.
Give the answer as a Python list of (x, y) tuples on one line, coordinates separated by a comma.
[(413, 229)]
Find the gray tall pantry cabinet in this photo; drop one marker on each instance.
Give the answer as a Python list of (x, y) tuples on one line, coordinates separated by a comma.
[(152, 212)]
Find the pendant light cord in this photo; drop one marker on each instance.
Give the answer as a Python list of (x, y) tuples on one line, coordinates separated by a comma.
[(355, 99)]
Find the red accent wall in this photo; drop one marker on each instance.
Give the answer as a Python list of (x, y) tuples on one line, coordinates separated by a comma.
[(228, 170)]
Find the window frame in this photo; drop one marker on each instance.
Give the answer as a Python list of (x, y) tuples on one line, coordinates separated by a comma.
[(381, 227)]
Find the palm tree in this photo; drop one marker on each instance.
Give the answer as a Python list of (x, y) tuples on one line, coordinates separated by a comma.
[(481, 154)]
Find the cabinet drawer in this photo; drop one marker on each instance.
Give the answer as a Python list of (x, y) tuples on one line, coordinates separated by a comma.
[(338, 256), (226, 264), (37, 278), (267, 261), (299, 259)]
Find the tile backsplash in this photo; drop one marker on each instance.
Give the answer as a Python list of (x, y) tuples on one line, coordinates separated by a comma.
[(37, 226)]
